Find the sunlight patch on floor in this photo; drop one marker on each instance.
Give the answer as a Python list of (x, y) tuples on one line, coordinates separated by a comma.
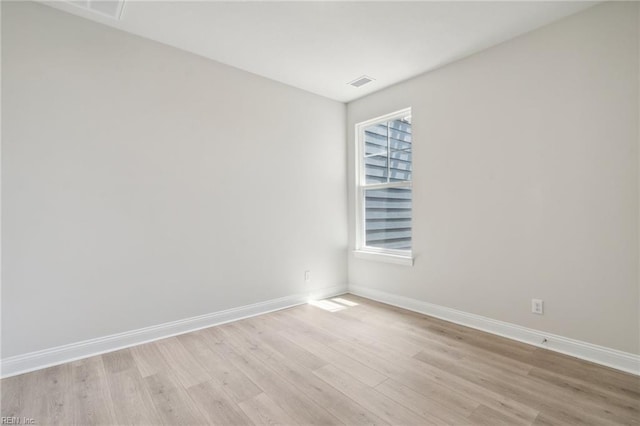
[(344, 301), (327, 305), (334, 305)]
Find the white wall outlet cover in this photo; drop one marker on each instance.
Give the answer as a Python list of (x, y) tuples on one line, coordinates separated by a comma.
[(537, 306)]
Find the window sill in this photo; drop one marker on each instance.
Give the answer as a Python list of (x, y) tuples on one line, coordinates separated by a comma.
[(384, 257)]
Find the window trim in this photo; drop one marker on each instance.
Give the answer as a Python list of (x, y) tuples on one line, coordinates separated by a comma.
[(403, 257)]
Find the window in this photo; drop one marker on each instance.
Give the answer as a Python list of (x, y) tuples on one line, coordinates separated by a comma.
[(384, 197)]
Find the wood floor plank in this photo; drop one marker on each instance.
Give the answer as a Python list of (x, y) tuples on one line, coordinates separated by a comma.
[(262, 410), (218, 407), (357, 369), (454, 411), (331, 399), (300, 407), (92, 403), (369, 357), (17, 394), (234, 382), (115, 362), (452, 332), (418, 376), (297, 323), (131, 399), (355, 329), (262, 324), (526, 391), (395, 365), (184, 366), (287, 348), (607, 397), (49, 398), (596, 375), (486, 416), (372, 400), (549, 420), (366, 363), (45, 396), (172, 403), (148, 359), (426, 339)]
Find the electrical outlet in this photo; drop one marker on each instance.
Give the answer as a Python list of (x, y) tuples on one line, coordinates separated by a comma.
[(307, 276), (537, 306)]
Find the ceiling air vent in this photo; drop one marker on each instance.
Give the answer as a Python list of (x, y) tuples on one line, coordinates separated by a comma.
[(109, 8), (361, 81)]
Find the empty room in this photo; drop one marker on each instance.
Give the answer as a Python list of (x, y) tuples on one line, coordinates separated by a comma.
[(320, 213)]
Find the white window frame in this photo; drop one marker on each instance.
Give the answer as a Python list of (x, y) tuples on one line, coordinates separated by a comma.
[(402, 257)]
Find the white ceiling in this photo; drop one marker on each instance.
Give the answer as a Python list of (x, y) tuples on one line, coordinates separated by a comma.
[(321, 46)]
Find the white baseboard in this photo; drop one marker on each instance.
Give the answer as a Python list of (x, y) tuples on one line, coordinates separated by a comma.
[(61, 354), (619, 360)]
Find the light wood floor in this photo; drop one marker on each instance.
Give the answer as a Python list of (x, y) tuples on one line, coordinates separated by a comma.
[(364, 364)]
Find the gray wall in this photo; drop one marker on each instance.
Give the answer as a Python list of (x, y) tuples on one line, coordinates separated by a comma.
[(142, 184), (526, 180)]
